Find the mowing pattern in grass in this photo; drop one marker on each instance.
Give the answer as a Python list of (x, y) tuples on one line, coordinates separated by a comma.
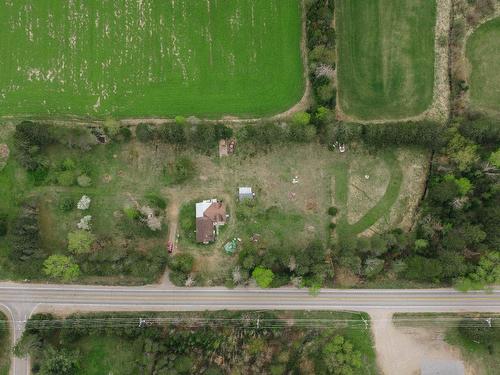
[(483, 53), (381, 208), (150, 58), (386, 57)]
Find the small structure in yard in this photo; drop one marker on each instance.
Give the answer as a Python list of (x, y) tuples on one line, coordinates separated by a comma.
[(245, 193), (210, 215), (231, 246), (441, 367), (226, 147)]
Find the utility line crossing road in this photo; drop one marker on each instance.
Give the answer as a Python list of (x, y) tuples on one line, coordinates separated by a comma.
[(21, 300)]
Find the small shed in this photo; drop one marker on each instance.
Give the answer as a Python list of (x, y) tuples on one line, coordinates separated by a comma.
[(245, 193), (441, 367)]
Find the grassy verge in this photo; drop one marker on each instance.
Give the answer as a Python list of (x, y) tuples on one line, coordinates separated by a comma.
[(276, 342), (4, 345)]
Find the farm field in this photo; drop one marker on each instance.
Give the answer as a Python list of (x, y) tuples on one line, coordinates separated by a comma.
[(385, 57), (215, 343), (150, 58), (483, 54)]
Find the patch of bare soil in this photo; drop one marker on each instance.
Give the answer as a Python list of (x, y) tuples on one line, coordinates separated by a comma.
[(400, 351)]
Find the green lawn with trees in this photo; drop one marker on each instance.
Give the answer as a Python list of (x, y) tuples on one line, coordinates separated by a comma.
[(385, 57), (483, 54), (220, 342), (150, 59)]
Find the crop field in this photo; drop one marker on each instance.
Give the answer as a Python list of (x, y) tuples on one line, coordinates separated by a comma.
[(150, 58), (483, 53), (385, 57)]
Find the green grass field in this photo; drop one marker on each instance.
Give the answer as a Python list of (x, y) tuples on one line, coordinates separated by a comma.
[(150, 58), (483, 53), (385, 57)]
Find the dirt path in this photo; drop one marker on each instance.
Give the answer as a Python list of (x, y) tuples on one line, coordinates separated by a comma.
[(401, 351), (173, 219)]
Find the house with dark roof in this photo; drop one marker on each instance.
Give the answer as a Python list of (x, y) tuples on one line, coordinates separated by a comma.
[(210, 215)]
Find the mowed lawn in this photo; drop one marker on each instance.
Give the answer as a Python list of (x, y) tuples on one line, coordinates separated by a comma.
[(150, 58), (483, 53), (385, 57)]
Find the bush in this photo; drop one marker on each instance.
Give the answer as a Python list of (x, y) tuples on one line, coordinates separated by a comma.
[(479, 330), (181, 262), (263, 276), (80, 241), (182, 170), (156, 201), (173, 133), (61, 267), (3, 224), (132, 213), (144, 133), (67, 204), (332, 226), (84, 181), (65, 178), (332, 211), (423, 269)]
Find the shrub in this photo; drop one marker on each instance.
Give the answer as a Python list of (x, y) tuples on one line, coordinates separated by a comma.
[(332, 211), (263, 276), (332, 226), (3, 224), (144, 133), (84, 180), (180, 120), (479, 330), (156, 201), (132, 213), (65, 178), (67, 204), (181, 171), (182, 263), (80, 241), (173, 133), (423, 269), (183, 364), (61, 267)]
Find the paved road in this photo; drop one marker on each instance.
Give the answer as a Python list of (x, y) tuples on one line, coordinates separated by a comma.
[(21, 300)]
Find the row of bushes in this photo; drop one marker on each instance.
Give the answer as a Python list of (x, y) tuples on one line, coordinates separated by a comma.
[(321, 50)]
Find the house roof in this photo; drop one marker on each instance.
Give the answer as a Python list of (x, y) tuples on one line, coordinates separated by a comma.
[(216, 212), (201, 207), (204, 230)]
